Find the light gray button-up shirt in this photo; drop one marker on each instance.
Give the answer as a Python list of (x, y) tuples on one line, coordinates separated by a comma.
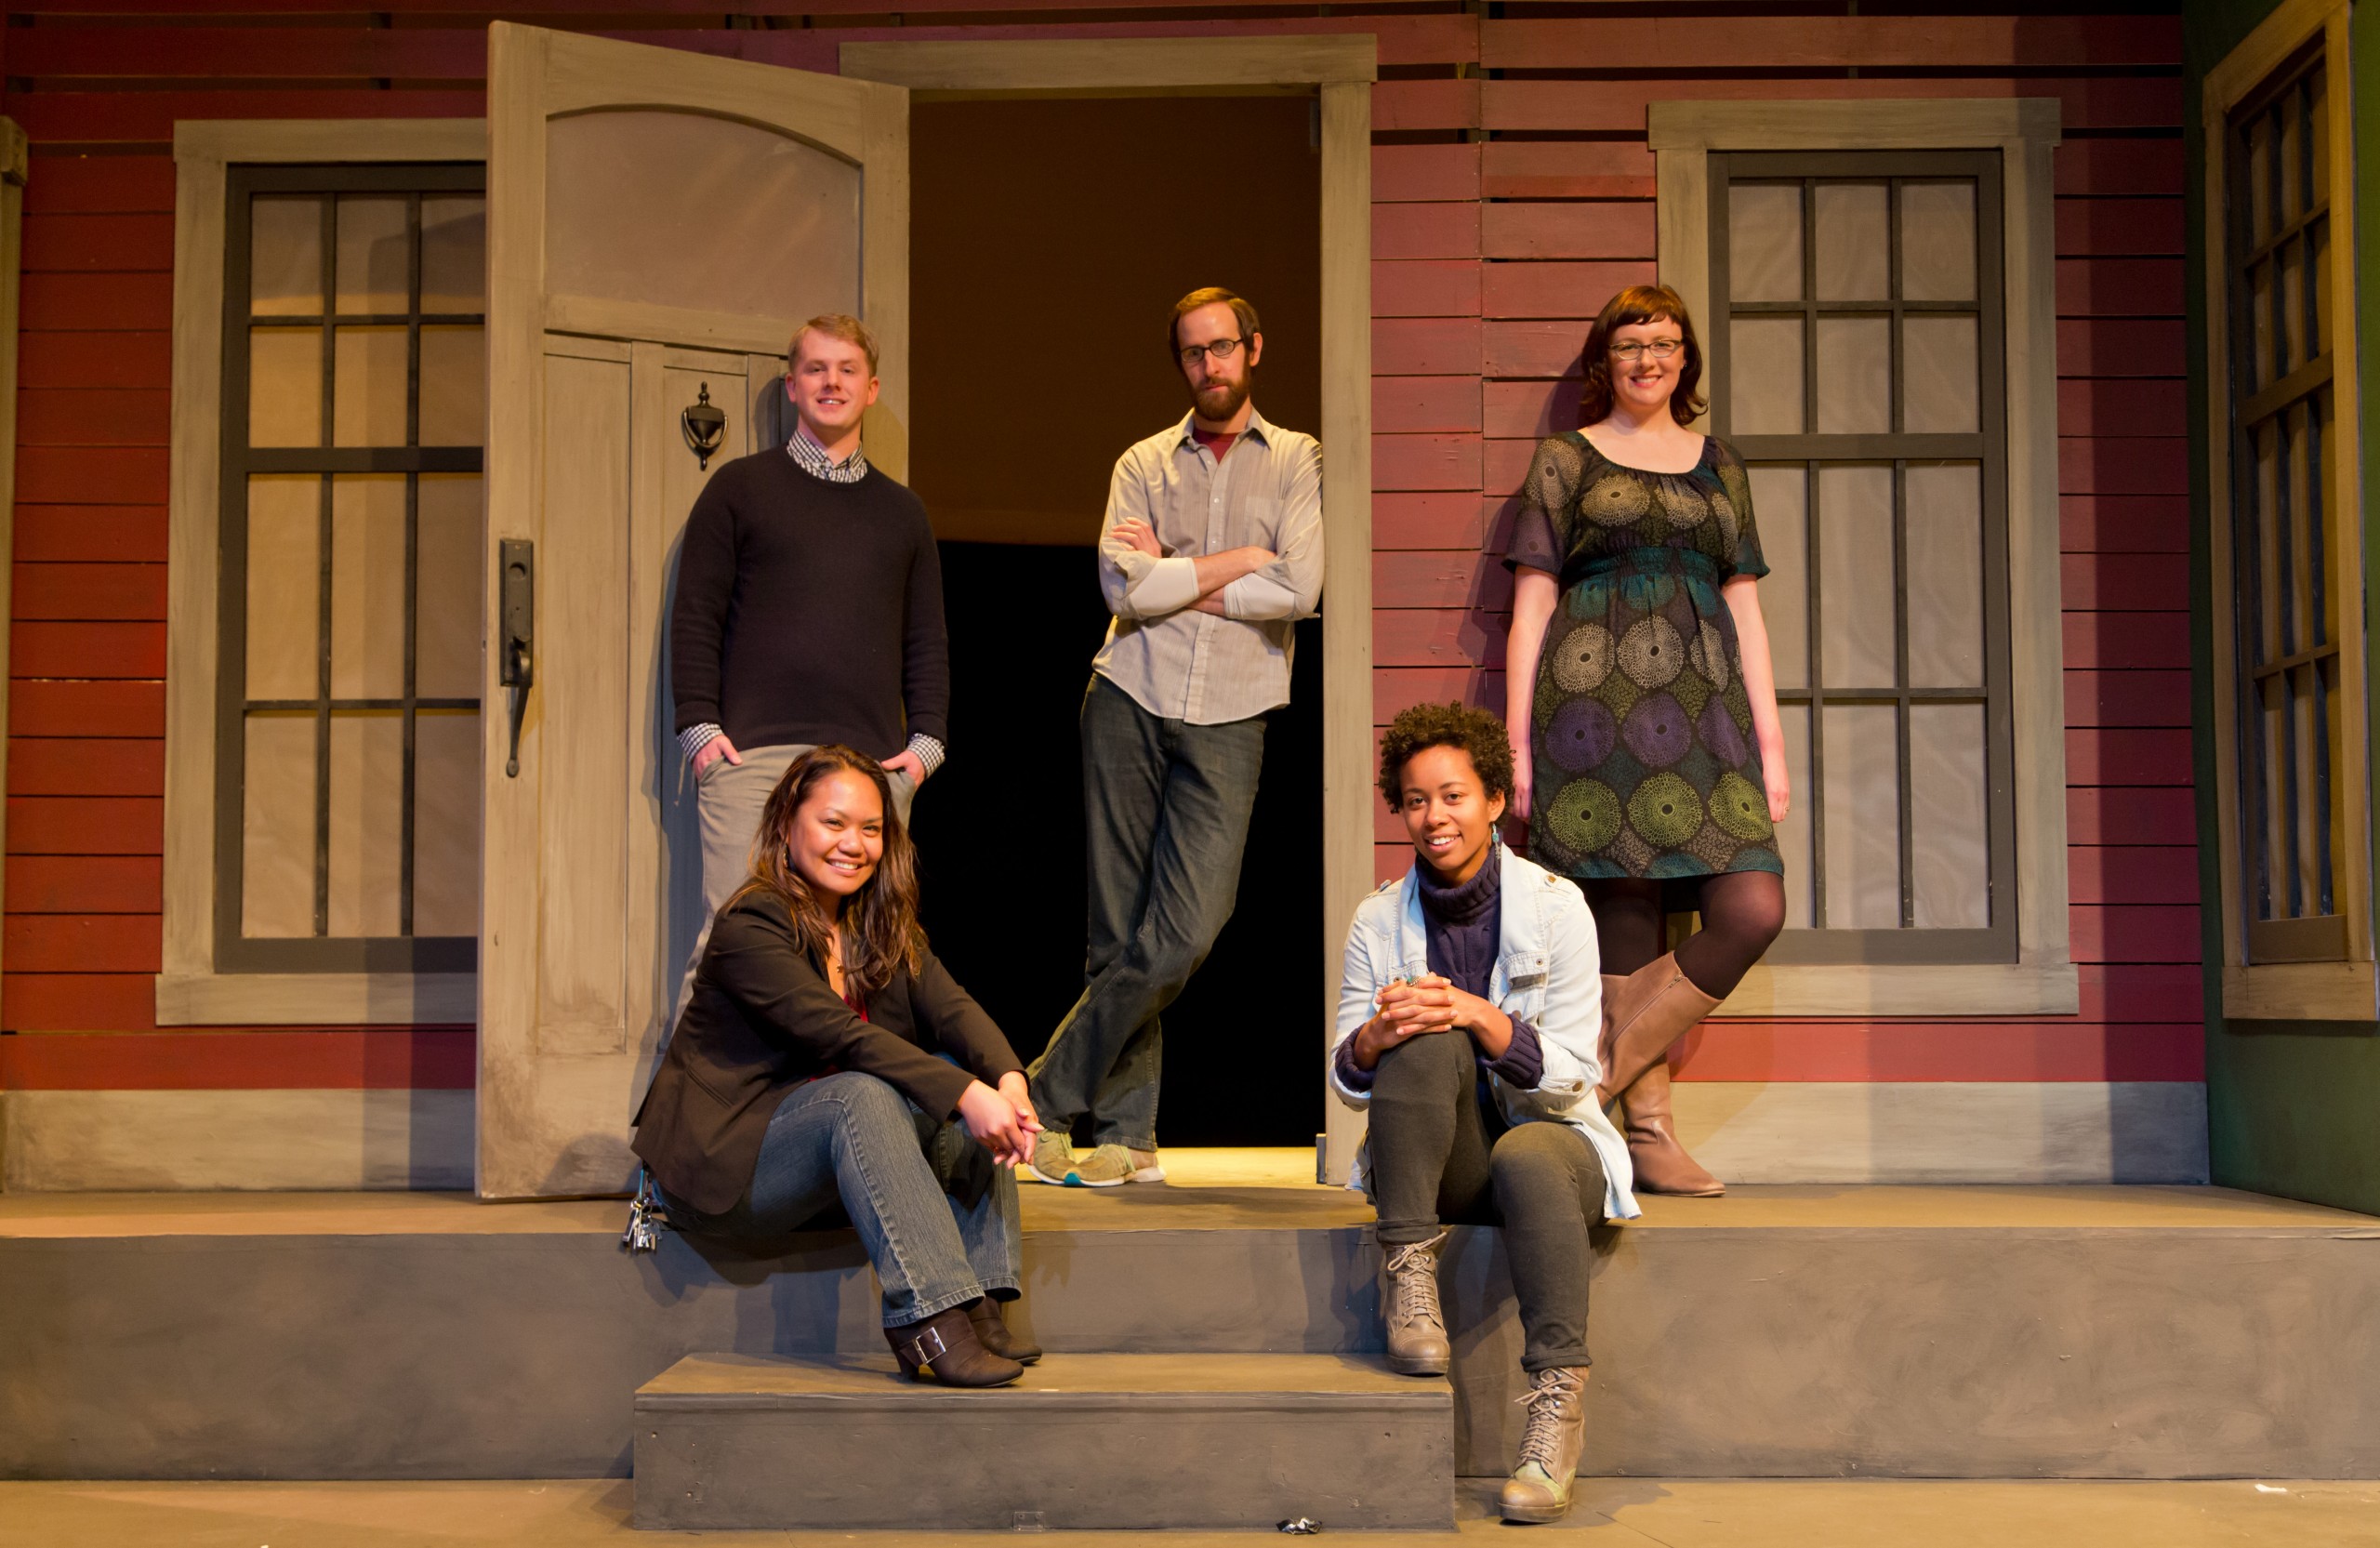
[(1177, 662)]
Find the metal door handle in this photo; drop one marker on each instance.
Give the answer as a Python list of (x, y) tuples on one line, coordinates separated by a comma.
[(516, 663)]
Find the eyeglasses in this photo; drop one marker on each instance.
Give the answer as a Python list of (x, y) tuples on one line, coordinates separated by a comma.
[(1222, 349), (1659, 348)]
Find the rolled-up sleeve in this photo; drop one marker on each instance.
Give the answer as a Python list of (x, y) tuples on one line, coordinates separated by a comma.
[(1296, 574), (1123, 569)]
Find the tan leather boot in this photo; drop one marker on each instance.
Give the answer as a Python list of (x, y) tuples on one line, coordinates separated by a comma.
[(1662, 1164), (944, 1348), (1651, 1009), (1539, 1487), (1408, 1300)]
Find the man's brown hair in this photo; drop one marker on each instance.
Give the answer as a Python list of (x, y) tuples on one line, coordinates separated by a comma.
[(1240, 307), (1640, 303), (834, 324)]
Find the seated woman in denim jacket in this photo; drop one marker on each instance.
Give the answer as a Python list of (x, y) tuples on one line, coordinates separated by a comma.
[(808, 1070), (1469, 1018)]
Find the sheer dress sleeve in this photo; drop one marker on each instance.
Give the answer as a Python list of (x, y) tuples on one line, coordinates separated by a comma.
[(1549, 501), (1747, 559)]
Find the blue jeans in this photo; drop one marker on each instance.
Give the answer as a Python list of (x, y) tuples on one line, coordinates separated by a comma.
[(1166, 806), (936, 1213)]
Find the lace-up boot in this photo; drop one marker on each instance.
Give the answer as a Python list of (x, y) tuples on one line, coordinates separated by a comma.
[(1409, 1295), (1539, 1487)]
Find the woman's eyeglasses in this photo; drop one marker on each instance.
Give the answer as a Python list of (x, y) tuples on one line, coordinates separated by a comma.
[(1222, 349), (1659, 348)]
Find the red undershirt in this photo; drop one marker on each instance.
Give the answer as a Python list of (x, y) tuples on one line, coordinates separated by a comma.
[(1217, 442)]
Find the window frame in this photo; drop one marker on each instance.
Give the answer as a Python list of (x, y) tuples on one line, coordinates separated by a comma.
[(195, 987), (2345, 986), (2038, 977)]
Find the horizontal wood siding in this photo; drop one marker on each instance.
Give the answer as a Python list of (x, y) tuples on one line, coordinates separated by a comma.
[(1514, 191)]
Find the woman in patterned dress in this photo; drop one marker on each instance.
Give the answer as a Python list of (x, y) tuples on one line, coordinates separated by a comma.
[(1648, 757)]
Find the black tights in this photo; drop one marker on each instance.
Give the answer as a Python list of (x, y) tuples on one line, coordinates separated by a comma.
[(1741, 912)]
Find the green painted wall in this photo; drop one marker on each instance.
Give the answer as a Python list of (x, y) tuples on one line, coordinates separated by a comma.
[(2293, 1107)]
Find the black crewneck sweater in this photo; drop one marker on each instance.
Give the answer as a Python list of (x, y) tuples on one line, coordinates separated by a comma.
[(809, 612)]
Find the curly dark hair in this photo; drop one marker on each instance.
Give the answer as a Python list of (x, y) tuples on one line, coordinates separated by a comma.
[(1446, 725)]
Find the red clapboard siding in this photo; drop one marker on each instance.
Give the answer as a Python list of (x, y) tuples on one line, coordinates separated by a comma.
[(62, 766), (94, 359), (1437, 636), (120, 416), (1406, 106), (114, 533), (2127, 698), (1828, 42), (2132, 815), (103, 303), (2119, 166), (1429, 521), (1508, 464), (86, 709), (2118, 287), (2093, 228), (110, 650), (86, 825), (2124, 464), (1443, 39), (84, 942), (2141, 992), (1433, 347), (2103, 347), (2109, 874), (1530, 408), (2123, 524), (147, 117), (1425, 462), (1727, 1048), (1438, 287), (1403, 174), (100, 185), (2135, 583), (1421, 404), (1618, 106), (2110, 641), (1566, 170), (76, 1002), (1568, 290), (2132, 933), (256, 53), (1396, 689), (1546, 349), (95, 242), (84, 883), (392, 1058), (1455, 577), (1450, 231), (1591, 229), (90, 591), (2122, 407), (130, 475), (2124, 757)]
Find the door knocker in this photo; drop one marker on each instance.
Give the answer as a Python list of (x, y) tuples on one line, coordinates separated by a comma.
[(706, 426)]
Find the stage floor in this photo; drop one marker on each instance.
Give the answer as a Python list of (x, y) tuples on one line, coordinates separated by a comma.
[(1611, 1513)]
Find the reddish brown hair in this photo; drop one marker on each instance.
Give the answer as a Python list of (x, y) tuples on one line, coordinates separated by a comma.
[(1640, 303), (833, 324), (880, 922), (1241, 308)]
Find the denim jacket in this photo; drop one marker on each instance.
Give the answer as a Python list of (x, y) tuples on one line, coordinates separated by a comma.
[(1548, 972)]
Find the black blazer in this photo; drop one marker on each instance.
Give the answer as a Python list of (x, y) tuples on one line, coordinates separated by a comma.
[(762, 1020)]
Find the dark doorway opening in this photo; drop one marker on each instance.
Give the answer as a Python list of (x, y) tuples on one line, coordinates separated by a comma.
[(1049, 238)]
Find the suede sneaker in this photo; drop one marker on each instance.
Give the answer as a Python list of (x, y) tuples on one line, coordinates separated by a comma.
[(1145, 1166), (1054, 1162)]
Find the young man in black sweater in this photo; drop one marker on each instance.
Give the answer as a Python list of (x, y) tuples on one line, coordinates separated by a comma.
[(808, 610)]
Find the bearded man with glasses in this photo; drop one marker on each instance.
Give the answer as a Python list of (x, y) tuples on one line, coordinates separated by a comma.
[(1210, 553)]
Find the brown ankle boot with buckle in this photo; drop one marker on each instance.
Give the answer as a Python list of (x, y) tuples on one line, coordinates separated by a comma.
[(992, 1332), (944, 1348)]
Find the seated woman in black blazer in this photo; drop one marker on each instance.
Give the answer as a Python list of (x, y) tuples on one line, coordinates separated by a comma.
[(808, 1070)]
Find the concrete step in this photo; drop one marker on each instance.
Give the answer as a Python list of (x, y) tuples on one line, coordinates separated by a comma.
[(1120, 1442)]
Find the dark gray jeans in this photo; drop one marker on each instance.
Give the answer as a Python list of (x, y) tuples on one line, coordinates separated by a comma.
[(1165, 809), (1441, 1154)]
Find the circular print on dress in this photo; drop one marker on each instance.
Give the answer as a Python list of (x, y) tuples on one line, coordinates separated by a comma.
[(1651, 653), (1720, 734), (1708, 655), (1583, 659), (1682, 504), (1739, 808), (1585, 815), (1615, 500), (1665, 810), (1657, 732), (1582, 735), (1647, 592)]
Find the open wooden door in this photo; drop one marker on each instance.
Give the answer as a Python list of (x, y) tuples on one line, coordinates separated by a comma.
[(658, 224)]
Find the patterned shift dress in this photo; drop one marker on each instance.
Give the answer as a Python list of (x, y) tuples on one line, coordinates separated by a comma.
[(1645, 763)]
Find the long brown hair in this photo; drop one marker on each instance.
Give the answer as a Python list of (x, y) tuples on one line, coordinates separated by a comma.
[(880, 922), (1640, 303)]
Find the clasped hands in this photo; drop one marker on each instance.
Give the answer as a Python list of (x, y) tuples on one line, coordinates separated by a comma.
[(1002, 1119), (1416, 1007)]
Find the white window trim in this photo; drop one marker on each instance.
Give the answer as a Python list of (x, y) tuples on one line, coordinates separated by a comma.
[(190, 992), (2024, 130), (2291, 991)]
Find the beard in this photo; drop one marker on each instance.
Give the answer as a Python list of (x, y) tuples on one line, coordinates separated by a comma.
[(1219, 400)]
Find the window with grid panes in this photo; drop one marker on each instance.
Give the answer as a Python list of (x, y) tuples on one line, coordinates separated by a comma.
[(346, 818), (2283, 485), (1856, 346)]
